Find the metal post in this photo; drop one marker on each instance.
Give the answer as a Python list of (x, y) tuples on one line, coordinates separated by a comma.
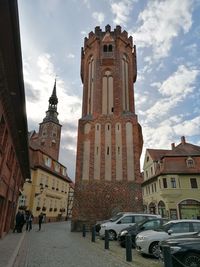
[(84, 230), (167, 256), (93, 233), (106, 239), (128, 248)]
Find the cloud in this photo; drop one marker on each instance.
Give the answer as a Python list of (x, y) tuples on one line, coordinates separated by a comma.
[(188, 127), (70, 55), (161, 22), (32, 95), (174, 90), (179, 83), (121, 11), (99, 17)]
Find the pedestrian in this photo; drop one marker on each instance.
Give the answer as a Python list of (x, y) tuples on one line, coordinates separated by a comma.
[(21, 221), (17, 222), (40, 220), (29, 219)]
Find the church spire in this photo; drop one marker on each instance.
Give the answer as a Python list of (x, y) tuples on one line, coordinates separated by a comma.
[(51, 113)]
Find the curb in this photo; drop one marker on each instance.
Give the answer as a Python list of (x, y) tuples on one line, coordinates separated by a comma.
[(16, 252)]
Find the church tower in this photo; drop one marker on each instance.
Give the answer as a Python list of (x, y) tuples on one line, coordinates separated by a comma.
[(108, 178), (50, 129)]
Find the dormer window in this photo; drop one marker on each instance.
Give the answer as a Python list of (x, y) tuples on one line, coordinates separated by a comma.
[(190, 162)]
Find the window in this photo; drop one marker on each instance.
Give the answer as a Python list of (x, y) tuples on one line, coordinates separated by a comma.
[(196, 226), (47, 161), (139, 218), (193, 182), (190, 162), (155, 189), (110, 48), (164, 183), (173, 183), (127, 219), (182, 227), (108, 150)]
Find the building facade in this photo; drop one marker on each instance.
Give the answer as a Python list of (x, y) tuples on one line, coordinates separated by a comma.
[(108, 178), (14, 156), (171, 184), (49, 187)]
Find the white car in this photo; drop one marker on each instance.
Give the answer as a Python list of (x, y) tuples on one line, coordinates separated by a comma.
[(147, 242), (123, 220)]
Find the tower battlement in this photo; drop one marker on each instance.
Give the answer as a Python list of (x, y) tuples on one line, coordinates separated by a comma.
[(98, 34)]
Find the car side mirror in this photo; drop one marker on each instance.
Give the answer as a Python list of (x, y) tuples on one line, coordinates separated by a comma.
[(170, 232)]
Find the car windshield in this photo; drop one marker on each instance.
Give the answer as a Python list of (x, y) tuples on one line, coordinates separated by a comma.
[(164, 228)]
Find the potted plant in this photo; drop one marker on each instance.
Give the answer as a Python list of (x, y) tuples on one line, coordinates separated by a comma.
[(43, 208), (38, 208)]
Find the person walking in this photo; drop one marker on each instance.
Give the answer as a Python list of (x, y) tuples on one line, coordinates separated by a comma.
[(29, 219), (40, 220), (17, 222)]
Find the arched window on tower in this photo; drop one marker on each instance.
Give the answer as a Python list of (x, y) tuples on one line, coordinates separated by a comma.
[(90, 85), (125, 91), (107, 93)]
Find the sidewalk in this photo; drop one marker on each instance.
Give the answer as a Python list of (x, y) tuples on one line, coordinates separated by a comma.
[(9, 248)]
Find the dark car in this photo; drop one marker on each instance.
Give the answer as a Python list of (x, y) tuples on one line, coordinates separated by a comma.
[(185, 250), (149, 224)]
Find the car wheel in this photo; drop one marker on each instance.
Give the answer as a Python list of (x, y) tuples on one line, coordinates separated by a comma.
[(154, 249), (112, 235), (192, 260)]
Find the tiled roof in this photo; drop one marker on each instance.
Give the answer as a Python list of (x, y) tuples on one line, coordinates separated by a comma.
[(156, 154)]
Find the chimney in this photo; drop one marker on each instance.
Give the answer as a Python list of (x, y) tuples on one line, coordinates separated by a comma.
[(172, 145), (183, 140)]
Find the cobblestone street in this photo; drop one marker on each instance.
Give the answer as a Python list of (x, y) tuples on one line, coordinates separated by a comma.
[(56, 246)]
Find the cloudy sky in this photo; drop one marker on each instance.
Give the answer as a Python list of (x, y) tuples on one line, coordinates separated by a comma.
[(167, 91)]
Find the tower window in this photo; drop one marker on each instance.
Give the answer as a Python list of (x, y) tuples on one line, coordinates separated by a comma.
[(108, 150), (97, 150), (108, 127), (118, 149), (105, 48), (110, 48)]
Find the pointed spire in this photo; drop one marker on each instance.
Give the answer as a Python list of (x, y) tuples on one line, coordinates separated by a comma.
[(51, 113), (53, 100)]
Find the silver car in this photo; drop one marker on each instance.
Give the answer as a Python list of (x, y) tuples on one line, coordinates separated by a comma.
[(147, 242)]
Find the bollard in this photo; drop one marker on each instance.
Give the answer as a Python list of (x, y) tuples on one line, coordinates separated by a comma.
[(167, 256), (106, 239), (93, 233), (84, 230), (128, 248)]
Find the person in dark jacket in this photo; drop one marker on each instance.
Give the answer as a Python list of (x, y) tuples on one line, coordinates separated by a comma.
[(17, 222), (40, 220)]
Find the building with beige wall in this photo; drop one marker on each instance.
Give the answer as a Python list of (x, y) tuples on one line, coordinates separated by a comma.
[(171, 184)]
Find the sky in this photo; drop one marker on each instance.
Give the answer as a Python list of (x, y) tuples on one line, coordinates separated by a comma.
[(167, 38)]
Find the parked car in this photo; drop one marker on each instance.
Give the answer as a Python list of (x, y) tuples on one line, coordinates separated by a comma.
[(112, 219), (147, 242), (185, 250), (121, 221), (148, 224)]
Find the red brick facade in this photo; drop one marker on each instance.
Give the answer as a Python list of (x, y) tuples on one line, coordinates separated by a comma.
[(14, 157), (108, 71)]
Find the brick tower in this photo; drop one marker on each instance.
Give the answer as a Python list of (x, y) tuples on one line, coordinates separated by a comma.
[(108, 178), (50, 129)]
